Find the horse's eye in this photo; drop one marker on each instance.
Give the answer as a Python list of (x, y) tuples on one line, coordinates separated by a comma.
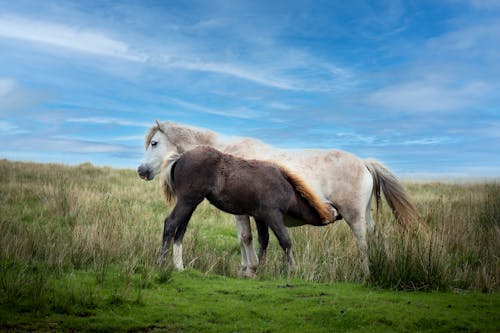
[(154, 143)]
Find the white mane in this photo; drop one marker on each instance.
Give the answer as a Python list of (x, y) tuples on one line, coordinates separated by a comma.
[(166, 179)]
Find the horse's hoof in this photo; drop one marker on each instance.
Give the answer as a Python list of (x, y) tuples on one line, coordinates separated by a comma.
[(247, 272), (250, 274)]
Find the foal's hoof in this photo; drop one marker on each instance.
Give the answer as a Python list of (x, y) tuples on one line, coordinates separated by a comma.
[(162, 260)]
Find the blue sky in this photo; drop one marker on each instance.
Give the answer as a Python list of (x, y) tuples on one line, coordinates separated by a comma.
[(414, 84)]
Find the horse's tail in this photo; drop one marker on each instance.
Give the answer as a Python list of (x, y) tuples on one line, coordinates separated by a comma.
[(395, 195), (166, 176), (308, 194)]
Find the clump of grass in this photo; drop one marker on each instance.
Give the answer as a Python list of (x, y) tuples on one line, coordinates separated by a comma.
[(456, 251)]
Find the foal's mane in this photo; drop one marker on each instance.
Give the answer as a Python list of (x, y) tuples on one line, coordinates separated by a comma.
[(307, 193), (166, 177)]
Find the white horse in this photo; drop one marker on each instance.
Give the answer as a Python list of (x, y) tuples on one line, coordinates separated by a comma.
[(337, 177)]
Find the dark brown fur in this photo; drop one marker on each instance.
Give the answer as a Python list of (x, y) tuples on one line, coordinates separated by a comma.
[(240, 187)]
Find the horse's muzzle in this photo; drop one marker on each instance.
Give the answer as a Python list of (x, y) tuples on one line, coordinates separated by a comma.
[(145, 172)]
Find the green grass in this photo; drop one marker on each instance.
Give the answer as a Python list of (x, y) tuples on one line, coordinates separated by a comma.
[(79, 247), (193, 302)]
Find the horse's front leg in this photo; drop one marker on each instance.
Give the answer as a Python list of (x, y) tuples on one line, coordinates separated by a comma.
[(175, 223), (249, 261)]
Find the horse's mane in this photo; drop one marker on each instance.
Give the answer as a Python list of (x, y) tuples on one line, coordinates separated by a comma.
[(149, 135), (179, 134), (307, 193), (166, 177)]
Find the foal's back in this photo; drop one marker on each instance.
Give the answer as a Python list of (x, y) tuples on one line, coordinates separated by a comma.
[(232, 184)]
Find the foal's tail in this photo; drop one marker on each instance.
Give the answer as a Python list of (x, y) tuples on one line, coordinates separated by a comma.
[(308, 194), (395, 195)]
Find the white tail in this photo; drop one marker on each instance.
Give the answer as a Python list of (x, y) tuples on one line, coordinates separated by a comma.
[(396, 196)]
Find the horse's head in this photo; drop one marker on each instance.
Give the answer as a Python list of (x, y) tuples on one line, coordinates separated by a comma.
[(157, 147)]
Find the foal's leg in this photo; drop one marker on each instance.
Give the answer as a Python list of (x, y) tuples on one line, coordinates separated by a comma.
[(263, 232), (179, 217), (178, 237), (249, 261), (275, 221)]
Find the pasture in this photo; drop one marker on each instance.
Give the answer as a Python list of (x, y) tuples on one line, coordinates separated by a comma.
[(79, 247)]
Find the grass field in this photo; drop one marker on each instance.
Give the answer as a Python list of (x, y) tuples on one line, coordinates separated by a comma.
[(79, 246)]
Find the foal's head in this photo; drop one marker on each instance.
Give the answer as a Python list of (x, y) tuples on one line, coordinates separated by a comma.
[(157, 147)]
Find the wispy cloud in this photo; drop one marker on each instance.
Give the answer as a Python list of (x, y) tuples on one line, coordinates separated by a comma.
[(13, 96), (428, 96), (6, 87), (241, 112), (285, 69), (65, 36), (7, 128), (430, 141), (485, 4), (64, 144), (109, 121), (480, 39)]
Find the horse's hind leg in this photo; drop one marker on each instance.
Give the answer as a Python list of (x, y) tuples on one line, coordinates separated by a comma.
[(358, 227), (357, 214), (358, 221), (249, 261)]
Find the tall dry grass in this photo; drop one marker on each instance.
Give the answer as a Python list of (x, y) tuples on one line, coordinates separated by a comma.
[(56, 219)]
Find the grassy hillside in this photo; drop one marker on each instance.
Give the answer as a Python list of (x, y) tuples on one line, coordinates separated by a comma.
[(79, 247)]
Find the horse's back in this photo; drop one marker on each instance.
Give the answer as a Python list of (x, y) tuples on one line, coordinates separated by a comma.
[(318, 166), (335, 175)]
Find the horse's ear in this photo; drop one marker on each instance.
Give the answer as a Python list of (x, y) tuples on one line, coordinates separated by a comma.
[(159, 126)]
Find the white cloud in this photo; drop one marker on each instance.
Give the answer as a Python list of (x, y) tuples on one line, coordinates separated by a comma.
[(238, 71), (138, 138), (13, 96), (61, 144), (73, 38), (7, 86), (485, 4), (240, 112), (430, 141), (7, 128), (109, 121), (492, 129), (428, 96), (275, 67), (475, 40)]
